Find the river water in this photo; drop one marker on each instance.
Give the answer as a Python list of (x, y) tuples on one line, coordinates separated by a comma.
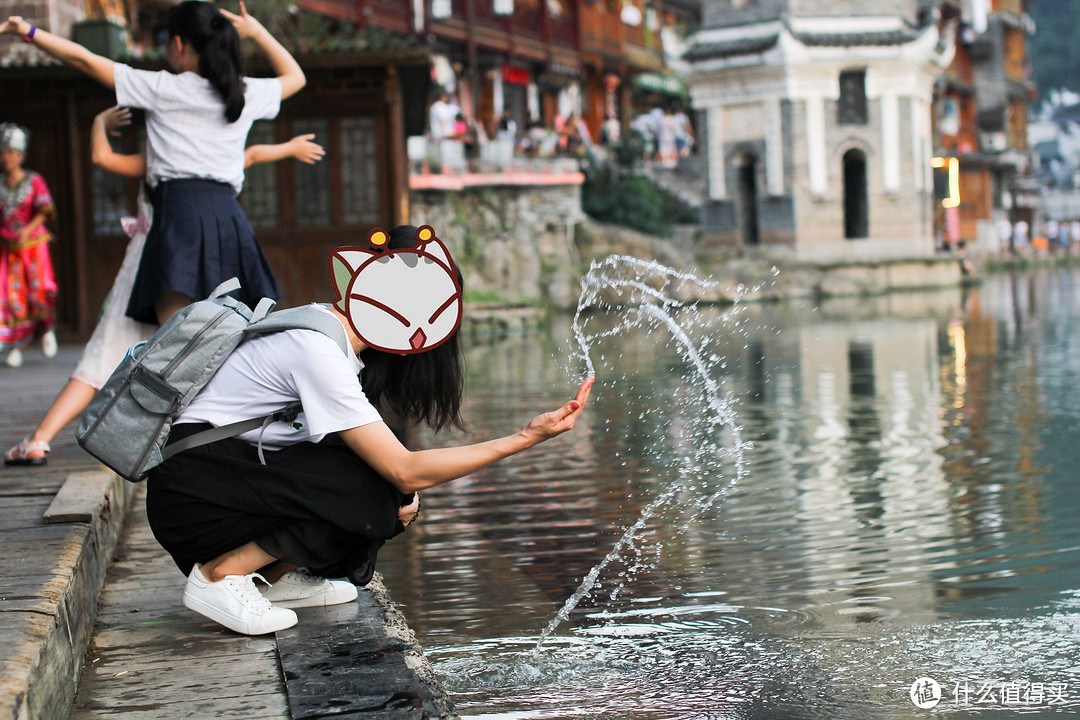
[(907, 520)]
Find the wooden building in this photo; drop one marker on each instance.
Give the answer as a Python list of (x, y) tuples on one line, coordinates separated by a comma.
[(537, 58), (981, 111)]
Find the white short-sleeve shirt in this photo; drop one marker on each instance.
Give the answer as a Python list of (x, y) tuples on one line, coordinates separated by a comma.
[(267, 372), (186, 131)]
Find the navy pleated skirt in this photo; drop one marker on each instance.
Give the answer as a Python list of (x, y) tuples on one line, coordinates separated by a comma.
[(318, 506), (199, 238)]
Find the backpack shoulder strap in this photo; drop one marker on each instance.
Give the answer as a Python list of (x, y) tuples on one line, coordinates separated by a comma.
[(305, 317), (287, 413)]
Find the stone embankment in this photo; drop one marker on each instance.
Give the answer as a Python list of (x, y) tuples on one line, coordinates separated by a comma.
[(523, 249)]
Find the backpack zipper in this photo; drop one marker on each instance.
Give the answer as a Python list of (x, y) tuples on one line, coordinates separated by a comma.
[(189, 348)]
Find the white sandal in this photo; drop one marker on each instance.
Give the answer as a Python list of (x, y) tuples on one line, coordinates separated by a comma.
[(21, 453), (49, 346)]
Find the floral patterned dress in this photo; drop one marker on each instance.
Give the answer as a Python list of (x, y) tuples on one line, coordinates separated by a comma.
[(27, 282)]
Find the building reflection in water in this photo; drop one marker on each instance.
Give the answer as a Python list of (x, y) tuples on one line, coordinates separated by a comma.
[(896, 475)]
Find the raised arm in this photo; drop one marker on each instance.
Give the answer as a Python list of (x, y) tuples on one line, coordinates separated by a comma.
[(285, 66), (410, 471), (300, 147), (68, 52), (101, 152)]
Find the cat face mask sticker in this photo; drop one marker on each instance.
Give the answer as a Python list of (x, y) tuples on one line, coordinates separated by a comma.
[(402, 301)]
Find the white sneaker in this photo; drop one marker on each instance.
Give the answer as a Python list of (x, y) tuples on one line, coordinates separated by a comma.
[(236, 603), (14, 358), (299, 588), (48, 344)]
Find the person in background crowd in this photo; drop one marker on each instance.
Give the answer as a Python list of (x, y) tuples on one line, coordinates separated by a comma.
[(684, 132), (610, 131), (507, 127), (442, 117), (1005, 233), (1020, 234), (665, 140), (27, 283)]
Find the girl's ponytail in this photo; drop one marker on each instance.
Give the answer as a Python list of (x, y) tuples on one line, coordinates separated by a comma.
[(218, 46), (220, 63)]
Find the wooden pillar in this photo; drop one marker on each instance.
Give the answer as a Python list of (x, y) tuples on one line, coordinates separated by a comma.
[(398, 180), (84, 314), (474, 70)]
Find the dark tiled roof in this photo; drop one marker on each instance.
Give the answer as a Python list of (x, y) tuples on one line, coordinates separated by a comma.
[(727, 48), (884, 37)]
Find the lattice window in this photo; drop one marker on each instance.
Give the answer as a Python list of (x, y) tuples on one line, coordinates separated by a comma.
[(312, 182), (852, 109), (260, 182), (359, 170)]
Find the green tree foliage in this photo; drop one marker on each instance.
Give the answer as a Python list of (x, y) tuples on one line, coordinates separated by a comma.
[(303, 30), (616, 191), (1055, 46)]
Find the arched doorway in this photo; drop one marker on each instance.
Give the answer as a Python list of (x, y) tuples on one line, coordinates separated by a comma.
[(856, 196), (746, 166)]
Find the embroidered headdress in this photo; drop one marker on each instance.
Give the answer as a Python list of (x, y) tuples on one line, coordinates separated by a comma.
[(14, 136)]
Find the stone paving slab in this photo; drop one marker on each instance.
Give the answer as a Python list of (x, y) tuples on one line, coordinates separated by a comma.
[(150, 657), (50, 575), (81, 638)]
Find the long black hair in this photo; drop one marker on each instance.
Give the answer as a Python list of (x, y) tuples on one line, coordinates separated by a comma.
[(217, 43), (422, 387)]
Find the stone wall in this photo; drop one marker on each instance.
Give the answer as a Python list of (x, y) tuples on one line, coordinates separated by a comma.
[(514, 244), (529, 247), (899, 221)]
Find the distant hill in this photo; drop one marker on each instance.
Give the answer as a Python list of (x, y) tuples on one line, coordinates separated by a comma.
[(1055, 46)]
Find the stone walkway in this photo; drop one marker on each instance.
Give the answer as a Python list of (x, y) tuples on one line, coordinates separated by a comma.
[(146, 656)]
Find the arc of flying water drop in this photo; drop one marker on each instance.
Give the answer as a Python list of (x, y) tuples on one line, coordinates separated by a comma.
[(721, 412)]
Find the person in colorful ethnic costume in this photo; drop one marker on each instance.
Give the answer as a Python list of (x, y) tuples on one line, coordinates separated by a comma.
[(27, 283)]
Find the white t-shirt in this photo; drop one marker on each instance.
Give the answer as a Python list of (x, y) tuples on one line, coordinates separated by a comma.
[(186, 131), (267, 372), (443, 117)]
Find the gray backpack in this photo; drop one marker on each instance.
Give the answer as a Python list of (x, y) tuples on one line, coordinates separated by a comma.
[(127, 423)]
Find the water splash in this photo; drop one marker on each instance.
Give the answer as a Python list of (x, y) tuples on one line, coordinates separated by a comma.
[(647, 295)]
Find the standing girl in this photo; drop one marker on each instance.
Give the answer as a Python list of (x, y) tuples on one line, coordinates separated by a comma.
[(197, 121), (115, 333), (27, 284)]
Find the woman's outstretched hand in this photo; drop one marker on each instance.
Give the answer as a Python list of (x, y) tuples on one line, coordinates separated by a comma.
[(246, 26), (113, 119), (546, 426), (11, 25), (305, 150)]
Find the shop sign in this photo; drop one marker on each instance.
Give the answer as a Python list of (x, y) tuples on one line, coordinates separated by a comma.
[(515, 75), (660, 82)]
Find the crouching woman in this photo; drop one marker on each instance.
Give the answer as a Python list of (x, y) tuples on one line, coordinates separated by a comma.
[(297, 503)]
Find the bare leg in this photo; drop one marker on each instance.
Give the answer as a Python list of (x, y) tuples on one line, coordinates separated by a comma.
[(244, 560), (168, 303), (72, 400)]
